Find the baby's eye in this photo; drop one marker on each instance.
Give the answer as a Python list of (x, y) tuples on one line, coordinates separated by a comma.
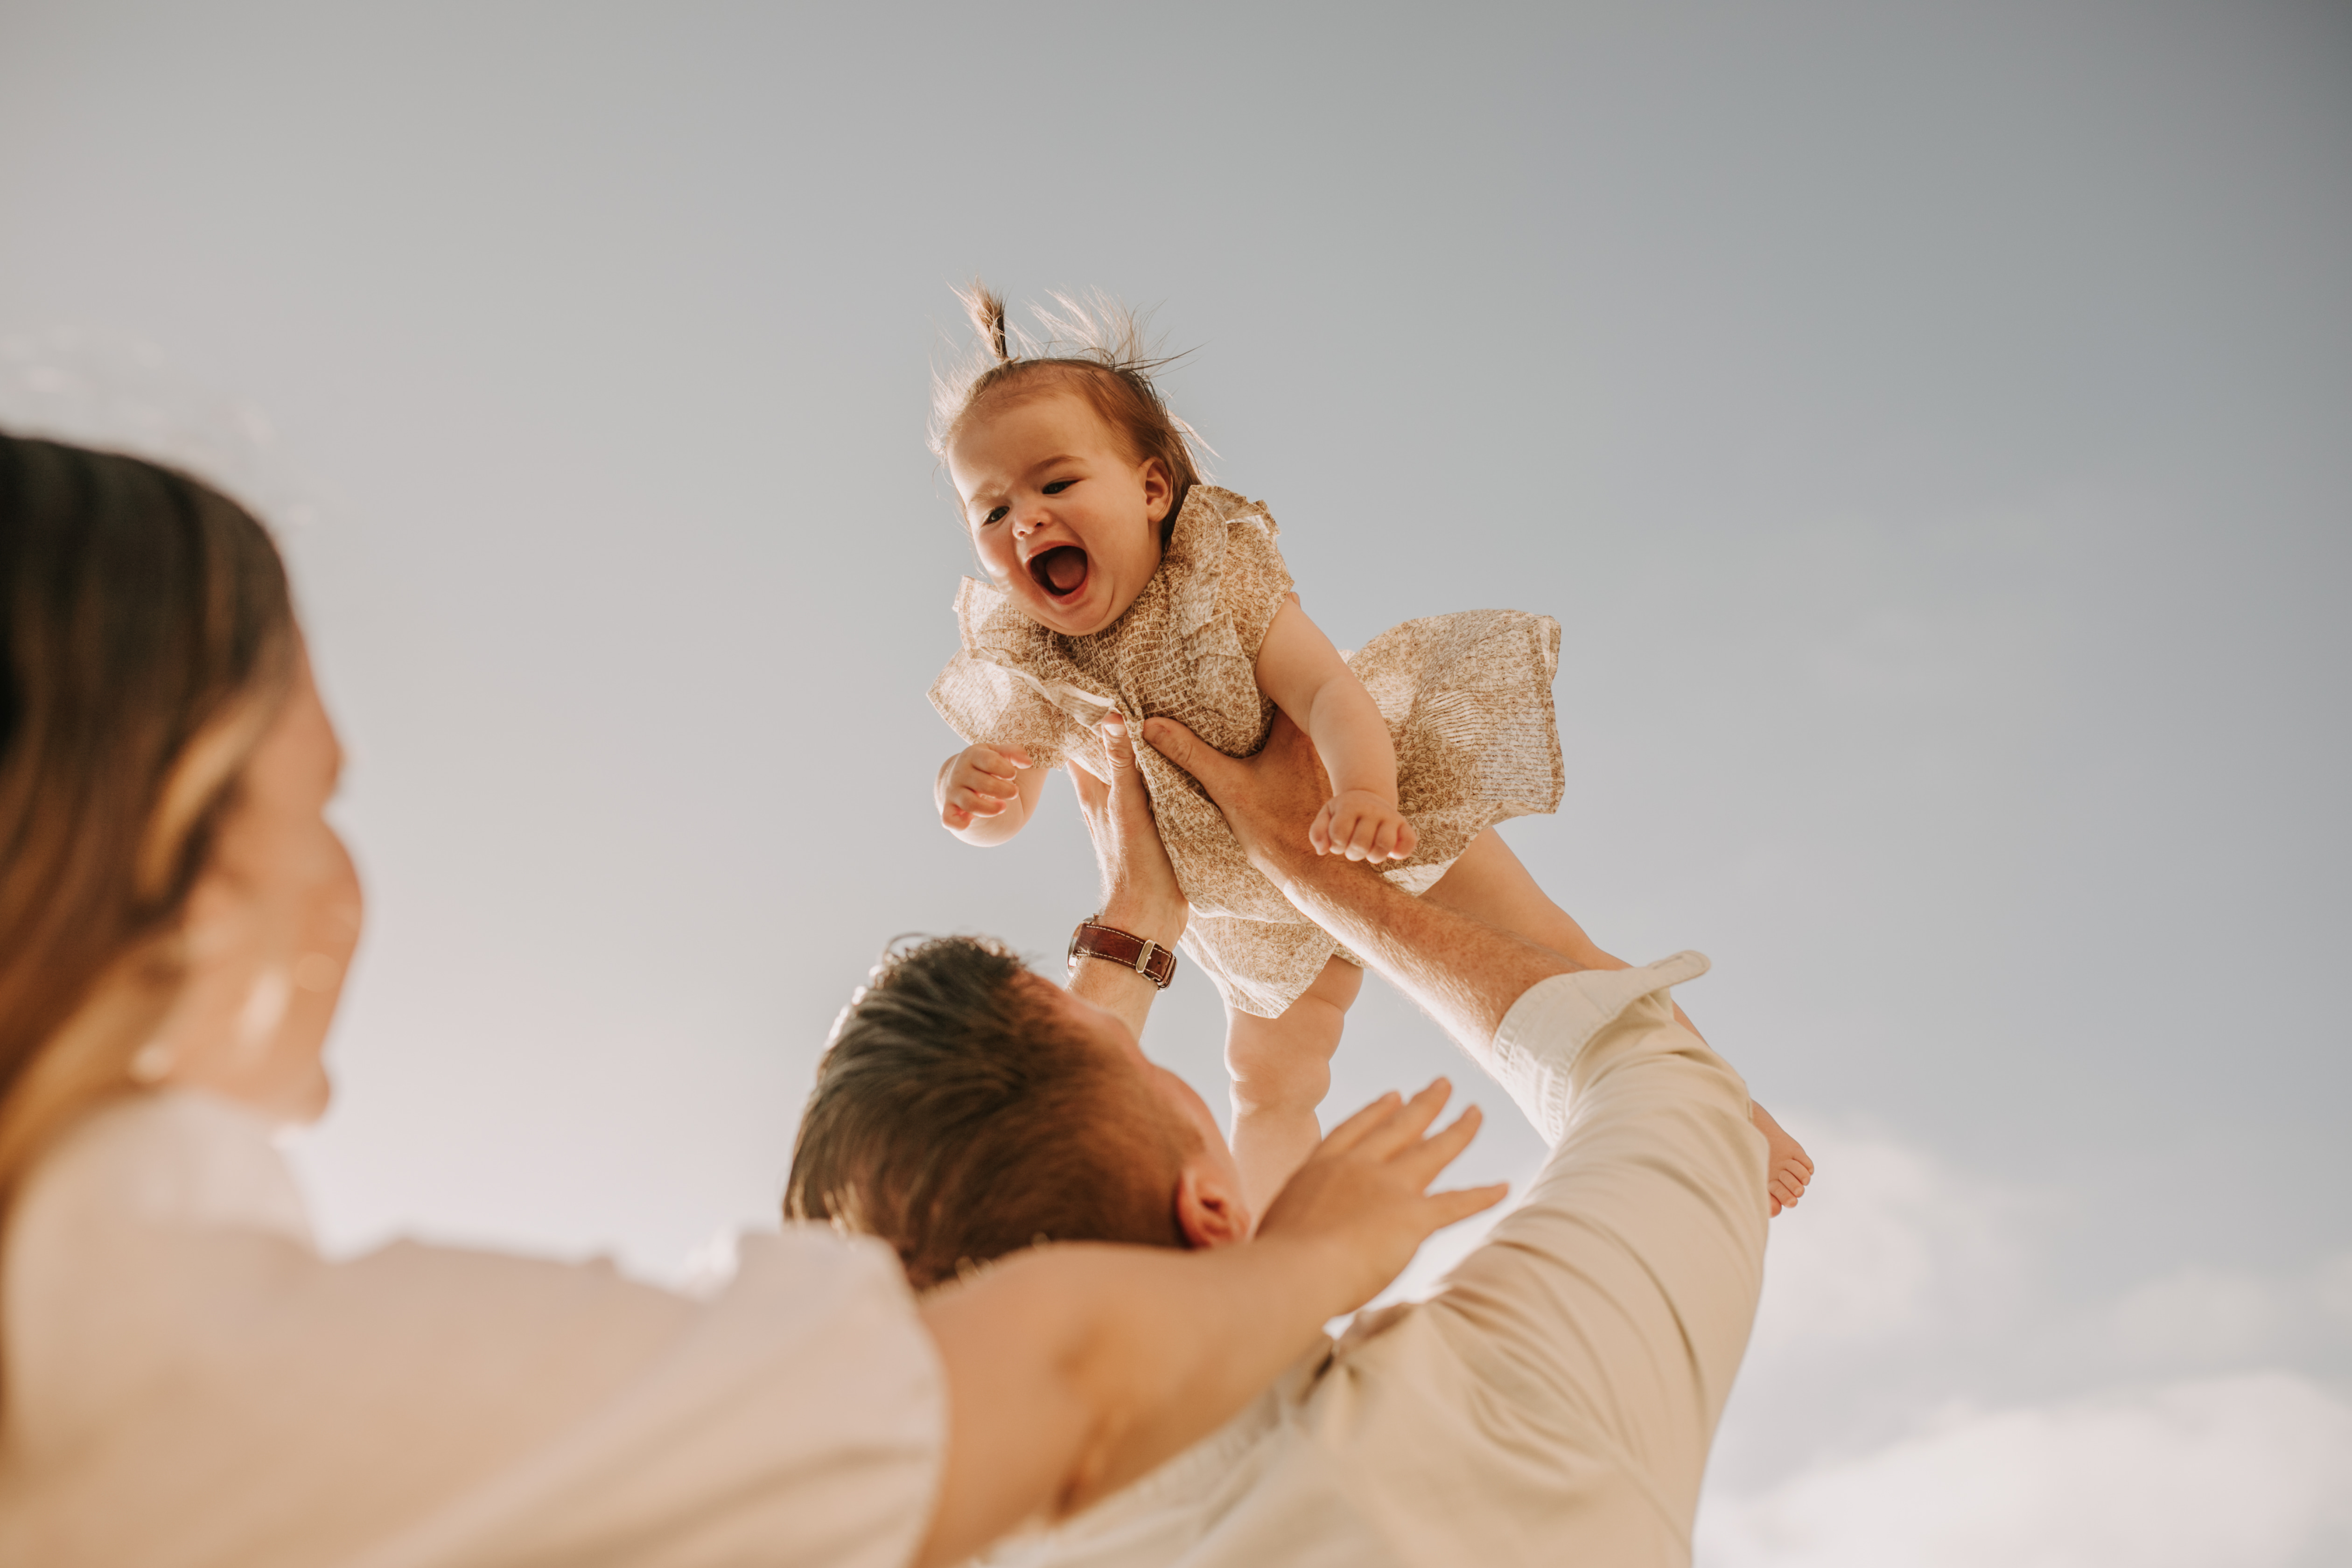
[(995, 514), (1058, 486)]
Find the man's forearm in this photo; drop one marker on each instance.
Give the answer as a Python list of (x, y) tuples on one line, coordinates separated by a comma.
[(1139, 893), (1114, 987), (1464, 973)]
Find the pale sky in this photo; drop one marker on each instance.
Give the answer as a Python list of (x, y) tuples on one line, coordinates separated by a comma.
[(1931, 425)]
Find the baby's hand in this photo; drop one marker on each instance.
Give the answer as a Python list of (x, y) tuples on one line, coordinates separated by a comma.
[(979, 781), (1363, 827)]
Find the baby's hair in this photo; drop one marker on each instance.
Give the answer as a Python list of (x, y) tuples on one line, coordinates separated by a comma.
[(1092, 345)]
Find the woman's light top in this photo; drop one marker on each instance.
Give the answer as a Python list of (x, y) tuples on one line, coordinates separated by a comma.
[(188, 1381)]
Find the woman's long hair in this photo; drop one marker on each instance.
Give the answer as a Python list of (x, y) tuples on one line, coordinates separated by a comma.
[(146, 639)]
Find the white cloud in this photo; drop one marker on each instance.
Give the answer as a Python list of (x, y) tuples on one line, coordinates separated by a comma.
[(1904, 1285), (2246, 1472), (1887, 1244)]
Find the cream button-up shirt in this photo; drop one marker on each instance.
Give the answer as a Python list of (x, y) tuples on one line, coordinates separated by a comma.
[(188, 1383), (1553, 1402)]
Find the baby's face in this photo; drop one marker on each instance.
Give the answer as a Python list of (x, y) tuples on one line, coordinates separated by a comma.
[(1064, 519)]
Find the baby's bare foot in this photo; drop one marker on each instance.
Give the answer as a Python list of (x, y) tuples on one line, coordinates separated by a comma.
[(1787, 1167)]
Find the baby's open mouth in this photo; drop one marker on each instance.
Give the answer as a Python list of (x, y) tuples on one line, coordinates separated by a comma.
[(1061, 571)]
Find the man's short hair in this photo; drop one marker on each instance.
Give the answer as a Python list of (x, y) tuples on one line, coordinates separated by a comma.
[(959, 1119)]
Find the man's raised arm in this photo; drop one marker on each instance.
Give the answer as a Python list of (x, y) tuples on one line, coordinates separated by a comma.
[(1609, 1309), (1139, 893)]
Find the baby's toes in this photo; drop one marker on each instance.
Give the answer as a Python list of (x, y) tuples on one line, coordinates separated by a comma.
[(1788, 1185)]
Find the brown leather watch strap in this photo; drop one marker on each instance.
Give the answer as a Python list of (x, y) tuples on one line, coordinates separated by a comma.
[(1146, 958)]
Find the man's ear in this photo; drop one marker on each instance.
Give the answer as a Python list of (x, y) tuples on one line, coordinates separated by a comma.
[(1208, 1209)]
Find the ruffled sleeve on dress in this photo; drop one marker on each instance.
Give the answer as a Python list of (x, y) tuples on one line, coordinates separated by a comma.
[(984, 693), (1255, 579)]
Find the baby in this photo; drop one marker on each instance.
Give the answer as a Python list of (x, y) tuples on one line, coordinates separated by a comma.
[(1124, 588)]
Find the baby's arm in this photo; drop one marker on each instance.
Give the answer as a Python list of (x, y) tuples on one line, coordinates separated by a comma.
[(985, 794), (1302, 674)]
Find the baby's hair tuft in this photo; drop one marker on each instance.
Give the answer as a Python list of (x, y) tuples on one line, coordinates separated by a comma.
[(1090, 344), (986, 309)]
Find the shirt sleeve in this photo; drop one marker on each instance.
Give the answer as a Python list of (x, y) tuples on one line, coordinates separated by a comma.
[(1538, 1041), (1609, 1310)]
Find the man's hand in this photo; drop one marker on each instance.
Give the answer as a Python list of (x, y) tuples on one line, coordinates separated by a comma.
[(1139, 893), (1358, 825), (1269, 799), (979, 781), (1462, 973), (1364, 1191)]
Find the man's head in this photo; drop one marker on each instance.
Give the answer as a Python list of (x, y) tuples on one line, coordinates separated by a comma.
[(967, 1108)]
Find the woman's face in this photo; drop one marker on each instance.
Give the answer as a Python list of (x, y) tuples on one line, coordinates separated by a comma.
[(270, 929)]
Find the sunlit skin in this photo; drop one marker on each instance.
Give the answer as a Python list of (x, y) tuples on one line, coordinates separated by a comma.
[(271, 926), (1066, 519)]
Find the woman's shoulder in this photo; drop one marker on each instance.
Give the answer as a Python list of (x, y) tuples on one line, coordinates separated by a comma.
[(170, 1157), (132, 1247)]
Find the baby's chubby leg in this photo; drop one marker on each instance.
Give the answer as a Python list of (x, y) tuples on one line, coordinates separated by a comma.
[(1281, 1069), (1489, 884)]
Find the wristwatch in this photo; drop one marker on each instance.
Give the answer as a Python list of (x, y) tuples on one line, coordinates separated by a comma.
[(1146, 957)]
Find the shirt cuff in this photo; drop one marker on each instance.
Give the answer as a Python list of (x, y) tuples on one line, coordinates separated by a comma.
[(1549, 1026)]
